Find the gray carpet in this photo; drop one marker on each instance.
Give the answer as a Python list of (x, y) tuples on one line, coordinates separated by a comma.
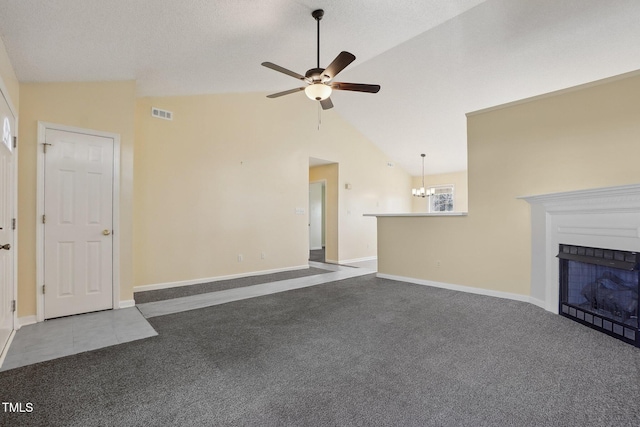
[(317, 255), (221, 285), (362, 351)]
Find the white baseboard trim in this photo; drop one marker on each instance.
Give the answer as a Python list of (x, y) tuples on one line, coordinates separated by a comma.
[(167, 285), (351, 261), (461, 288), (538, 302), (127, 303), (26, 320)]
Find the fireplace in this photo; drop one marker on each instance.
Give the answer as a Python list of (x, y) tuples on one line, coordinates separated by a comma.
[(599, 288)]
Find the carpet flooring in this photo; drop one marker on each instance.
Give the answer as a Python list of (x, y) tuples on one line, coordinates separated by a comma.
[(317, 255), (221, 285), (358, 352)]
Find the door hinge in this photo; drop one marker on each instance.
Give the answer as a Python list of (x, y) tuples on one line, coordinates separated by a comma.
[(42, 289), (13, 223), (44, 219), (13, 306), (15, 141), (44, 147)]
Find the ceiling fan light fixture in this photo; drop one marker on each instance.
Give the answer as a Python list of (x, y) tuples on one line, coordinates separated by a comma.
[(320, 81), (318, 91)]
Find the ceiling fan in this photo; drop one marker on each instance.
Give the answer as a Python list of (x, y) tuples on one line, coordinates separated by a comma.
[(319, 81)]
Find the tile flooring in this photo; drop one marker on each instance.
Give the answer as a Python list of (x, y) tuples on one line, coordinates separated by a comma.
[(75, 334)]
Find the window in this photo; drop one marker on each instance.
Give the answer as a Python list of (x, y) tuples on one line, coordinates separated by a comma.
[(441, 199)]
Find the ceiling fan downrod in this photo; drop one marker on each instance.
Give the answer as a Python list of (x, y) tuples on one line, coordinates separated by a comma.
[(317, 15)]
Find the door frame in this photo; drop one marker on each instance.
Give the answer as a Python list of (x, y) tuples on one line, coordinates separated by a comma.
[(4, 92), (42, 129), (324, 210)]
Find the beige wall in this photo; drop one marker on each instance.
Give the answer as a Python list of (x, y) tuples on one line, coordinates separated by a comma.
[(105, 107), (226, 175), (223, 178), (577, 139), (330, 174), (375, 187), (460, 192)]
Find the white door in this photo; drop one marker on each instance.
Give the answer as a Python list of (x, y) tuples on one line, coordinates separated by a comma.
[(315, 215), (7, 213), (78, 222)]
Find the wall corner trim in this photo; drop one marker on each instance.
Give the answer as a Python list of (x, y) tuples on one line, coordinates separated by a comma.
[(127, 303), (26, 320)]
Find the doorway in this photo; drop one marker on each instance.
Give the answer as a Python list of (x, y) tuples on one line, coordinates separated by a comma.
[(326, 172), (317, 221), (8, 185), (77, 231)]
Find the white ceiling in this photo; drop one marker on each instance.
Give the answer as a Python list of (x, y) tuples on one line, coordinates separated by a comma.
[(435, 59)]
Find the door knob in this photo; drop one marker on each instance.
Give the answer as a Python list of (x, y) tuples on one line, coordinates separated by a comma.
[(106, 232), (7, 246)]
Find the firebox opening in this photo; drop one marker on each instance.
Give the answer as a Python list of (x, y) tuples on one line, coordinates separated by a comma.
[(599, 288)]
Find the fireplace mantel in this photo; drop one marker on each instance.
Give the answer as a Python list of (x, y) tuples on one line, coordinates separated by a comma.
[(601, 217)]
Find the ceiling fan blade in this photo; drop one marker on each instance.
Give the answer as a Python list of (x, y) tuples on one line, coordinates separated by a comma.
[(284, 70), (286, 92), (340, 63), (356, 87), (326, 104)]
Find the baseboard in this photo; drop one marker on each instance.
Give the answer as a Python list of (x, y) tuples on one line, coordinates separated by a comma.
[(461, 288), (127, 303), (26, 320), (167, 285), (352, 261), (538, 302)]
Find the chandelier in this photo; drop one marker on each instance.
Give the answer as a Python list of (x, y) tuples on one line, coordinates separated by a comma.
[(422, 192)]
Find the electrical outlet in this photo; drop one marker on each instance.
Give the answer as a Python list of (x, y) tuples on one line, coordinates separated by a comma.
[(438, 263), (263, 255), (240, 257)]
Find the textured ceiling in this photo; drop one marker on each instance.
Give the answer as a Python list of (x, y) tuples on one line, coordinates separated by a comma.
[(435, 59)]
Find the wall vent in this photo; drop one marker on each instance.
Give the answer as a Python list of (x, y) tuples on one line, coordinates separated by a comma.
[(161, 114)]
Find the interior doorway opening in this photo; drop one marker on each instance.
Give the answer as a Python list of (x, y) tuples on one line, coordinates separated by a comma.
[(317, 236), (323, 210)]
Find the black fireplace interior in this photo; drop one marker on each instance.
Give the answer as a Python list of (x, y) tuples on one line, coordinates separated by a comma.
[(599, 288)]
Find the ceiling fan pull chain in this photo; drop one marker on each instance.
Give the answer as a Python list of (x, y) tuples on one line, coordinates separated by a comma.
[(319, 116)]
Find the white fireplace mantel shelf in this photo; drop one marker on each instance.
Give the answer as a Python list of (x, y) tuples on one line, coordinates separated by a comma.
[(601, 217), (620, 199)]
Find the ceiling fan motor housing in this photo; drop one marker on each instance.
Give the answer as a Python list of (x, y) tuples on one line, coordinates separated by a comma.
[(315, 75)]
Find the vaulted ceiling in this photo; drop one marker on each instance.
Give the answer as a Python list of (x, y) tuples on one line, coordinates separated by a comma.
[(435, 59)]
